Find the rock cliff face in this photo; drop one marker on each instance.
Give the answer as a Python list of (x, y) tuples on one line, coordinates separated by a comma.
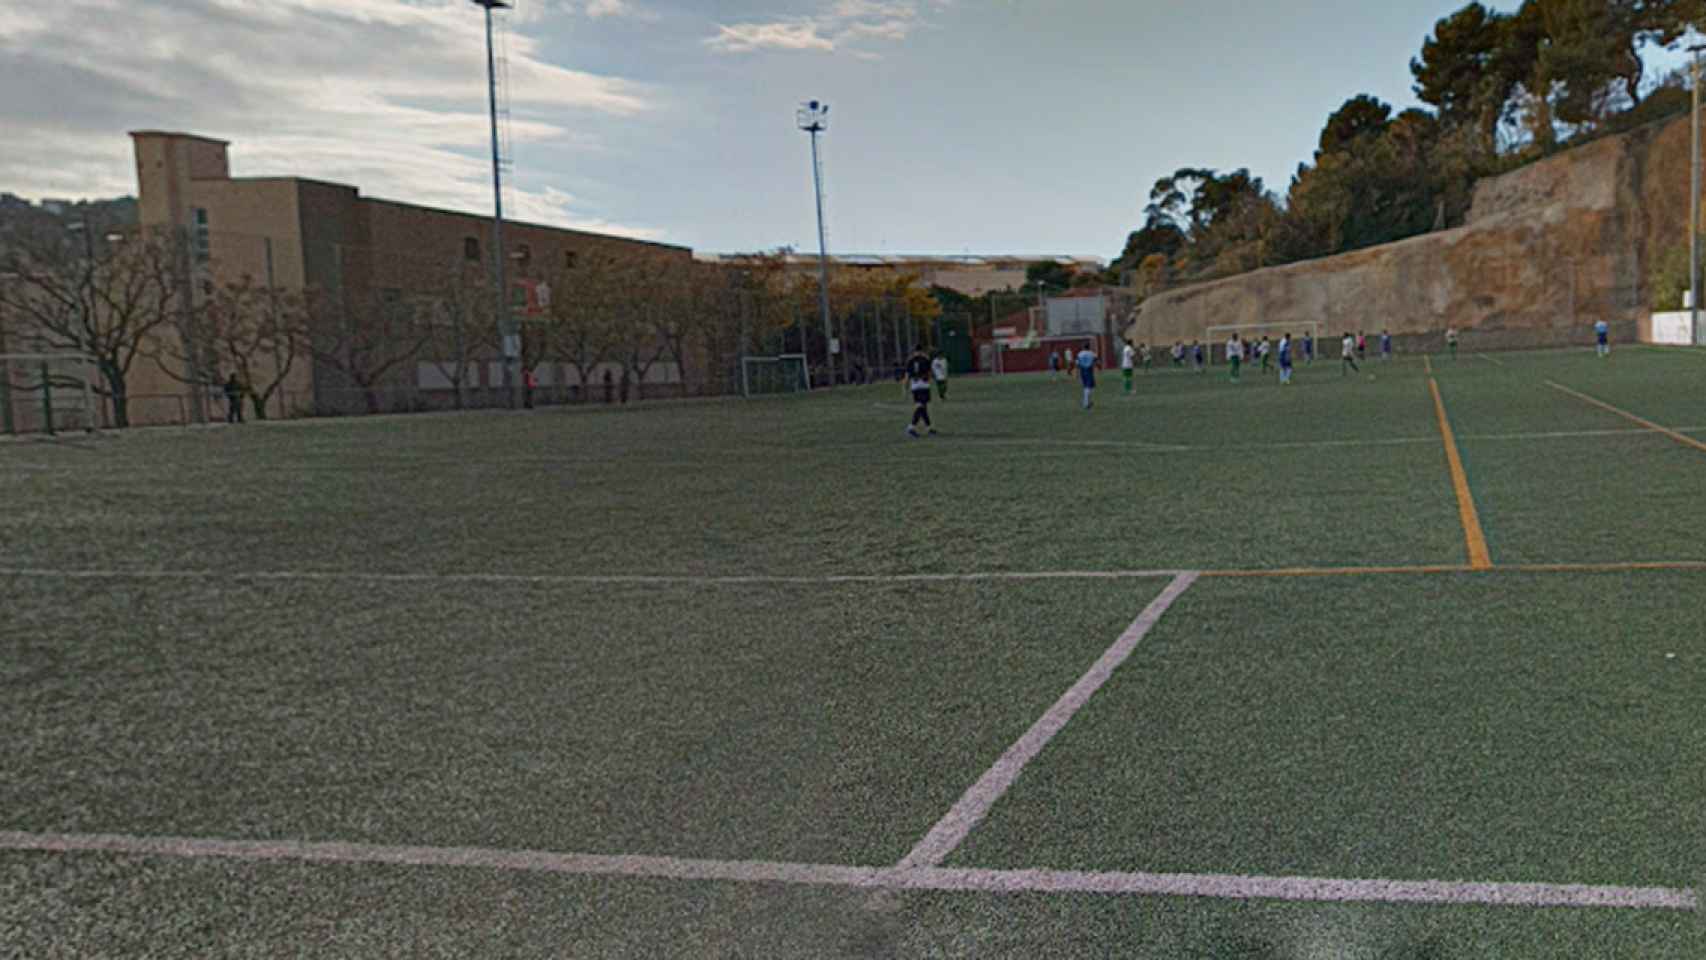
[(1547, 250)]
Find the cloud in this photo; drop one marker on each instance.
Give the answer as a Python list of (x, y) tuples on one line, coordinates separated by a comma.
[(534, 11), (385, 94), (747, 37), (837, 25), (617, 8)]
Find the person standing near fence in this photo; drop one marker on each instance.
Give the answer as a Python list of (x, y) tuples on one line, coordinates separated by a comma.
[(233, 399), (1347, 355), (1128, 363), (939, 371), (1234, 355)]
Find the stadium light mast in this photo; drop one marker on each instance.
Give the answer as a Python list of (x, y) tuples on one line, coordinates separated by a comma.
[(1694, 202), (813, 118), (506, 325)]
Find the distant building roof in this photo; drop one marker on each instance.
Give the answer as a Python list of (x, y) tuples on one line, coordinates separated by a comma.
[(1011, 261), (174, 133)]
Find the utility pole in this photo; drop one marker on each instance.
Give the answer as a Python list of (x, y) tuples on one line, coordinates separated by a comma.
[(506, 323), (813, 118)]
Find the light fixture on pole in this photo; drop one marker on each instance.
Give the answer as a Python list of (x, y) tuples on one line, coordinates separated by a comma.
[(506, 323), (813, 118)]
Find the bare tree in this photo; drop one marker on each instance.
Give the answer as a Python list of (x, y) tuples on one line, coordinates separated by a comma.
[(107, 298), (584, 322), (257, 331), (635, 339), (460, 316), (365, 334)]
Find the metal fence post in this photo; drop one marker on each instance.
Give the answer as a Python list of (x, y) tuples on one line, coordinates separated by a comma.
[(47, 399)]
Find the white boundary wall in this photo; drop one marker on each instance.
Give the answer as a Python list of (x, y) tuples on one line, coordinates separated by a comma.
[(1672, 329)]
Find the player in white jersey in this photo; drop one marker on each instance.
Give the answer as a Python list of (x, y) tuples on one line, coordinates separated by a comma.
[(939, 371), (1234, 355), (1348, 356), (1128, 364), (1087, 373)]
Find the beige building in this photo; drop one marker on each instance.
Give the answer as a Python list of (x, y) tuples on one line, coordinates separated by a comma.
[(301, 234)]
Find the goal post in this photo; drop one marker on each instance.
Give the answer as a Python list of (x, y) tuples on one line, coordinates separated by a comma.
[(1215, 337), (783, 373), (47, 393)]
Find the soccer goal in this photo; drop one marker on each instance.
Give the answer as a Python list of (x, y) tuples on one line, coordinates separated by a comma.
[(1216, 336), (784, 373), (47, 393)]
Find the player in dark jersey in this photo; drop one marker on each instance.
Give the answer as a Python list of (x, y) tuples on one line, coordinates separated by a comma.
[(918, 380)]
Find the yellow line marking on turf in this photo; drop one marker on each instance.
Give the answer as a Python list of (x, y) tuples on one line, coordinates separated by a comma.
[(1686, 441), (1333, 571), (1434, 569), (1479, 558), (1427, 365)]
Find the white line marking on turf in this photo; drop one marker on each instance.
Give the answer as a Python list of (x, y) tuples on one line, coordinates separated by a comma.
[(1485, 357), (1219, 886), (357, 576), (957, 824)]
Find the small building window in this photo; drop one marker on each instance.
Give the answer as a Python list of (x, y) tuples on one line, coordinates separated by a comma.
[(471, 248), (523, 254), (203, 239), (569, 258)]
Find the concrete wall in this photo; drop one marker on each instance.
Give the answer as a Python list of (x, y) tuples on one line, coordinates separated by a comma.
[(1546, 251), (1670, 329)]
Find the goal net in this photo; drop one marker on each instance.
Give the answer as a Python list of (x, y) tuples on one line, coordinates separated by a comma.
[(1252, 333), (785, 373), (47, 393)]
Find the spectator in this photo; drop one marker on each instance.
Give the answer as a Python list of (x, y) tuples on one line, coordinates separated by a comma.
[(233, 399)]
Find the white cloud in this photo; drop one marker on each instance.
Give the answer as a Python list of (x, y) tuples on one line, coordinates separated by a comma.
[(533, 11), (616, 8), (841, 23), (386, 94), (747, 37)]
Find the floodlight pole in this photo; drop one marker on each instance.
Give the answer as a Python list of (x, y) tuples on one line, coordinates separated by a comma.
[(506, 324), (813, 118), (1694, 203)]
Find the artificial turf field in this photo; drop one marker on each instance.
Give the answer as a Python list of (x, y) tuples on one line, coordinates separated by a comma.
[(767, 679)]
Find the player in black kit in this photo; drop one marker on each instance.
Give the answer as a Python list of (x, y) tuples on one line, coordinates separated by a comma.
[(918, 379)]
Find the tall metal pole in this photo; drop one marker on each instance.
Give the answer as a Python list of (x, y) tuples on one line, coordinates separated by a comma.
[(1694, 205), (822, 247), (814, 119), (506, 325)]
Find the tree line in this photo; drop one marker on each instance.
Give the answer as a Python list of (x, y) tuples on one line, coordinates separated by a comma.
[(143, 296), (1501, 89)]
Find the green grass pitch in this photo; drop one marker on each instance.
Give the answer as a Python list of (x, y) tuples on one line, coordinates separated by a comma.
[(697, 630)]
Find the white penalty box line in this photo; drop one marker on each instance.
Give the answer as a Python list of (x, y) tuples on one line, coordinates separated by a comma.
[(1109, 883), (952, 829), (920, 869), (615, 579)]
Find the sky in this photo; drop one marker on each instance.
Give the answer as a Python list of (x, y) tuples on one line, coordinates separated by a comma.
[(955, 126)]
